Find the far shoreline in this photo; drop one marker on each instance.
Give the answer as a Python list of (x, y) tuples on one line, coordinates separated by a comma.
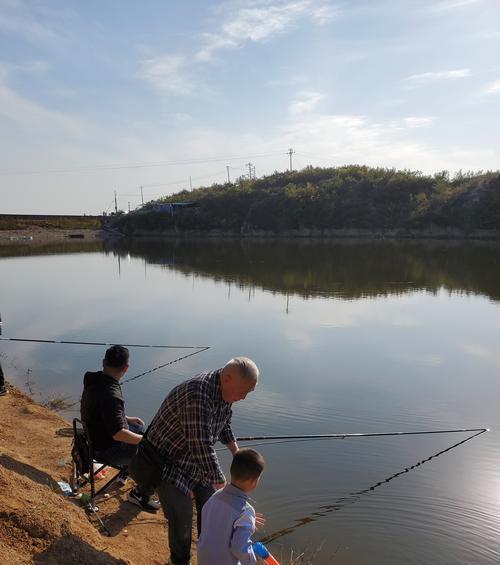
[(35, 234), (32, 235)]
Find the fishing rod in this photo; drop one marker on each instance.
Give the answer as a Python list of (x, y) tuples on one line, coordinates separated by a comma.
[(371, 434), (66, 342), (344, 501), (199, 349)]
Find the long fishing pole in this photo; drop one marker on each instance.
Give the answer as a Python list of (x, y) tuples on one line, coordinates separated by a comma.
[(352, 498), (199, 349), (66, 342), (371, 434)]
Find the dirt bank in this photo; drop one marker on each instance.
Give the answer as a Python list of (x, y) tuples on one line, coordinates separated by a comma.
[(38, 525), (35, 234)]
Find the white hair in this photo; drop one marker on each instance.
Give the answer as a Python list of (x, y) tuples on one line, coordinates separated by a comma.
[(246, 368)]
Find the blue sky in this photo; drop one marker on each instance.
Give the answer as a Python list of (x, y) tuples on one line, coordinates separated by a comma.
[(104, 96)]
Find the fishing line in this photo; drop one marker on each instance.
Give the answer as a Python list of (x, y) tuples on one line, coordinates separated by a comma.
[(354, 497), (200, 350)]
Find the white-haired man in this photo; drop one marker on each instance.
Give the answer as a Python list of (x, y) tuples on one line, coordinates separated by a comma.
[(177, 456)]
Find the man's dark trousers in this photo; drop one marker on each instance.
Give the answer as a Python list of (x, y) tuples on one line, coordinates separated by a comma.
[(178, 510)]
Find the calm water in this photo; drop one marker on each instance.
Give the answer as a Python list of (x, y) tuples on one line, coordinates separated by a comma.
[(349, 337)]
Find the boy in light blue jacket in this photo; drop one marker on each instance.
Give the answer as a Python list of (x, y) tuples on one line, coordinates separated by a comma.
[(228, 520)]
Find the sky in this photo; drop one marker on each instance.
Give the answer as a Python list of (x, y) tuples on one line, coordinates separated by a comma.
[(102, 96)]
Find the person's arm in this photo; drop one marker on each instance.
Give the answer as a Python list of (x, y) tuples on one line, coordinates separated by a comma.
[(115, 421), (241, 543), (232, 446), (227, 437), (126, 436), (134, 420), (195, 416)]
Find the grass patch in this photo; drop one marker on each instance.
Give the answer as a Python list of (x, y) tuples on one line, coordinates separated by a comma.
[(61, 223)]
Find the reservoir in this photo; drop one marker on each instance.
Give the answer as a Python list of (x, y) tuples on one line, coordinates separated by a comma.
[(349, 336)]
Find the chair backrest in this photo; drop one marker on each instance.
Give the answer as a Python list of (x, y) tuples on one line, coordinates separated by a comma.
[(81, 452)]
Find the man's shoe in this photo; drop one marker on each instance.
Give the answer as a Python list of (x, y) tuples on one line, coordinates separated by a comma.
[(3, 391), (147, 503)]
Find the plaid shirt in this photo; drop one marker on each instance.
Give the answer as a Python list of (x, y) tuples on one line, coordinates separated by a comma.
[(192, 418)]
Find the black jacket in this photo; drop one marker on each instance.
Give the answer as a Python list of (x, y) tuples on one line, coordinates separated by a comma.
[(102, 408)]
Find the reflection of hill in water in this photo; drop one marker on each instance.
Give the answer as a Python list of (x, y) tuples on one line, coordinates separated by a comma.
[(334, 268)]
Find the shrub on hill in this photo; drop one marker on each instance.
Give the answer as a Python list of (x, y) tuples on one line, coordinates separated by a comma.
[(350, 197)]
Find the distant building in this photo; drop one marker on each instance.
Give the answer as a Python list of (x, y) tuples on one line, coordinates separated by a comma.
[(172, 207)]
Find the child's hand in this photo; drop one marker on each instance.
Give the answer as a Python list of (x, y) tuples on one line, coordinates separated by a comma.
[(260, 521)]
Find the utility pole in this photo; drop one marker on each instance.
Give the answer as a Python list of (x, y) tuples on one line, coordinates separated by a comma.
[(129, 207), (249, 165), (290, 152), (228, 179), (116, 204), (190, 183), (142, 196)]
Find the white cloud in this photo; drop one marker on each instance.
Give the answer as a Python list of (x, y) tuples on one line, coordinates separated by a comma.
[(324, 14), (333, 139), (256, 22), (262, 21), (493, 88), (34, 67), (424, 78), (29, 22), (418, 121), (452, 5), (305, 102), (35, 117), (168, 73)]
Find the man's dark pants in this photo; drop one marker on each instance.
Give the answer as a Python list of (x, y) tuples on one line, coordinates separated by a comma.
[(178, 510), (146, 469)]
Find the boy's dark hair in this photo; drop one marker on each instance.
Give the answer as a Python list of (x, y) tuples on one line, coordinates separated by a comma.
[(247, 464), (116, 357)]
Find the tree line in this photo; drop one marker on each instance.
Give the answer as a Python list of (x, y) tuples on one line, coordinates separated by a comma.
[(342, 198)]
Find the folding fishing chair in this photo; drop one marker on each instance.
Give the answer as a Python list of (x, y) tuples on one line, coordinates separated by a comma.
[(82, 455)]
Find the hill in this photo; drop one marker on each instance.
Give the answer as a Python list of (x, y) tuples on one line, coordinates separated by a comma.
[(350, 200)]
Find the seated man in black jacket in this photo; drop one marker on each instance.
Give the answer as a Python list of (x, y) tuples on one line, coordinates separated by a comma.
[(114, 435)]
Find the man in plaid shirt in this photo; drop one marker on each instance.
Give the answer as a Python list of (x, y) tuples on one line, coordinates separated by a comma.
[(193, 417)]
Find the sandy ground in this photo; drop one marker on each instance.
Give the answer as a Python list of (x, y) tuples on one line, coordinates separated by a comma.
[(36, 234), (38, 525)]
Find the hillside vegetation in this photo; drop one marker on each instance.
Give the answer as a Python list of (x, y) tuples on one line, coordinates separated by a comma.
[(11, 222), (320, 201)]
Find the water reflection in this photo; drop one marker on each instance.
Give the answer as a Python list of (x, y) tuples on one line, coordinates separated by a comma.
[(345, 269), (349, 269)]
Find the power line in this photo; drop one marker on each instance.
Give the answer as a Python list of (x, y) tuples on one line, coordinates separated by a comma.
[(169, 183), (192, 161)]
